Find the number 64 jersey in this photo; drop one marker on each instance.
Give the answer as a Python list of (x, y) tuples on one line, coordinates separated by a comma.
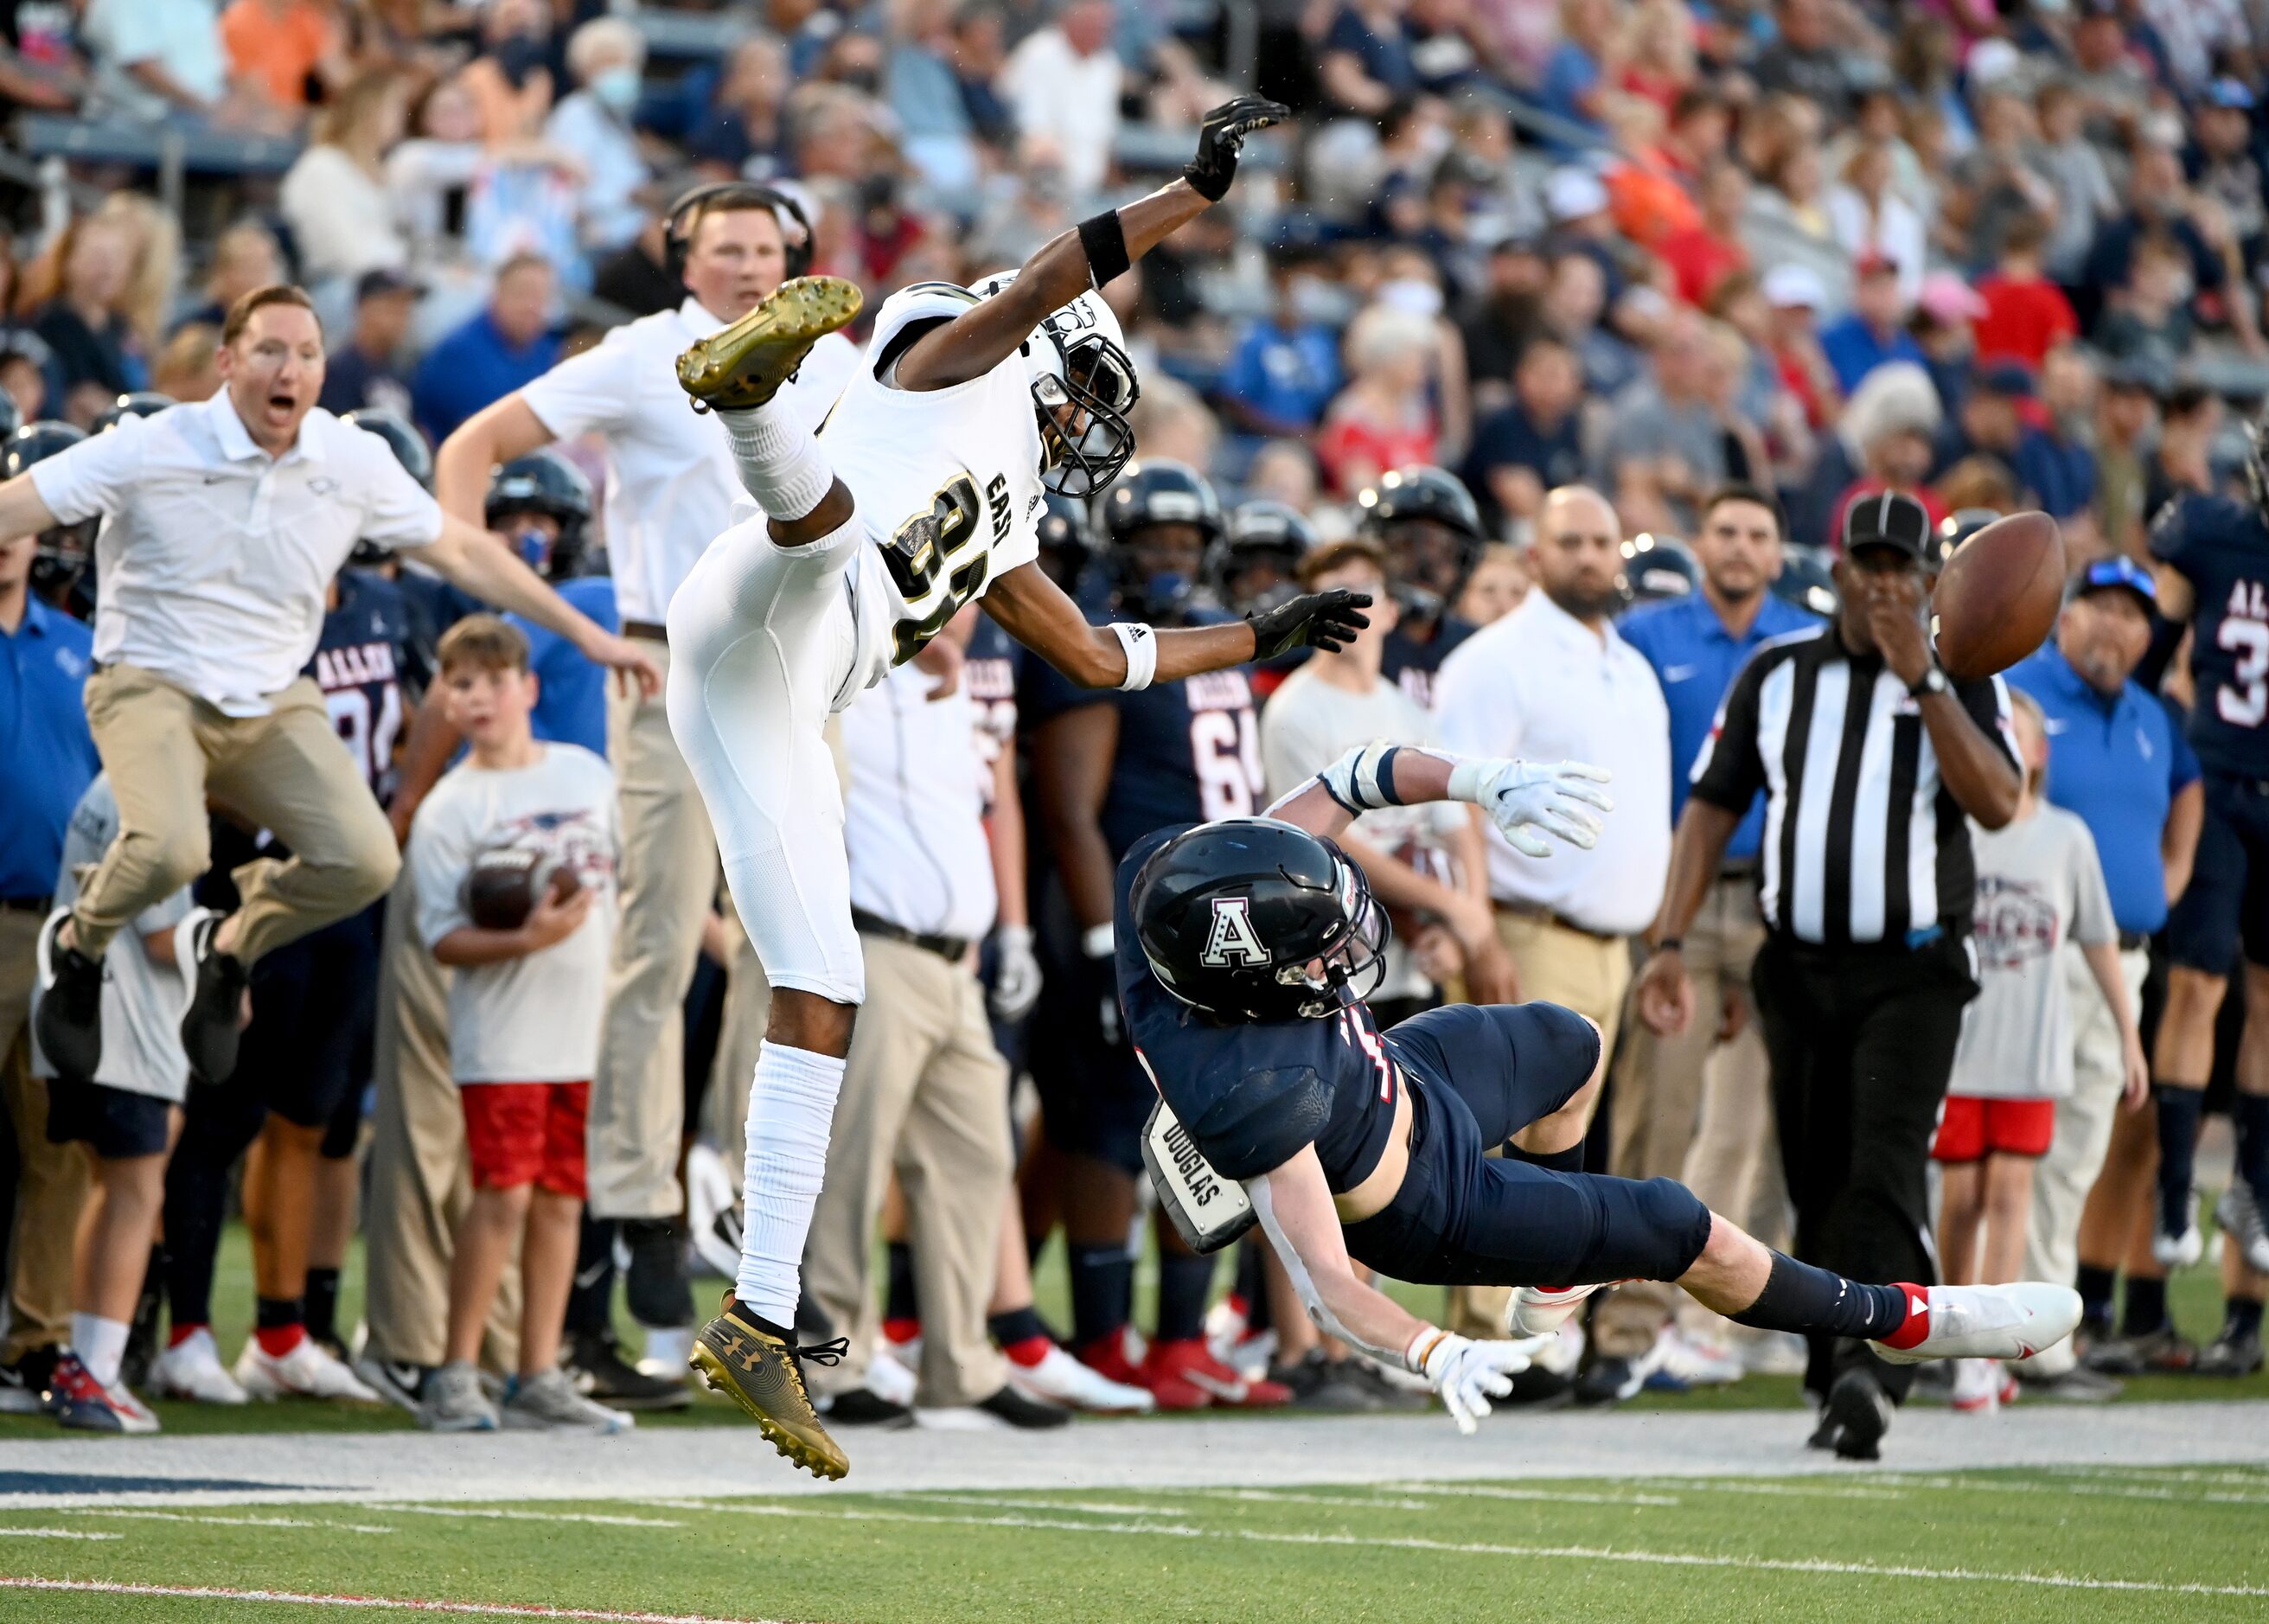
[(2222, 548)]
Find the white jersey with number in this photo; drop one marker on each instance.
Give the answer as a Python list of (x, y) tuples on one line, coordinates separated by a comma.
[(947, 481)]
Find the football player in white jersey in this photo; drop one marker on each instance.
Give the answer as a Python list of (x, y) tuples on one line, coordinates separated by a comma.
[(921, 493)]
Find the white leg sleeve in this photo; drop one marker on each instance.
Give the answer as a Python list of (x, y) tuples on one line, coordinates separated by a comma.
[(791, 1105), (780, 464)]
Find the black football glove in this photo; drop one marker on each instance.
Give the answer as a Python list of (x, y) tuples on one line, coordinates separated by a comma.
[(1323, 619), (1224, 130)]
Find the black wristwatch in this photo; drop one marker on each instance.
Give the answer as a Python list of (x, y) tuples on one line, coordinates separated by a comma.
[(1931, 682)]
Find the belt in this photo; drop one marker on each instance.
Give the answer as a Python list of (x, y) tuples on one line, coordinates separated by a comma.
[(41, 905), (1545, 916), (646, 630), (952, 948), (2134, 941), (1738, 869)]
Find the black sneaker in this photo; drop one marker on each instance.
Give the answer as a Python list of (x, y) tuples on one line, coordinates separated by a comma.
[(1855, 1418), (597, 1367), (2165, 1351), (141, 1338), (2078, 1385), (1026, 1415), (1392, 1396), (398, 1381), (209, 1026), (1609, 1380), (657, 1288), (2231, 1355), (23, 1382), (69, 1023), (1328, 1386), (863, 1407)]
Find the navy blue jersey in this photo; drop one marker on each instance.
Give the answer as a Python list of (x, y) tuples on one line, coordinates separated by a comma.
[(1188, 752), (1331, 1082), (369, 649), (2222, 548), (988, 673), (1410, 665)]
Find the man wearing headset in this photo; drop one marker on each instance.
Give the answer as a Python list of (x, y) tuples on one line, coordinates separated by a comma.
[(671, 488)]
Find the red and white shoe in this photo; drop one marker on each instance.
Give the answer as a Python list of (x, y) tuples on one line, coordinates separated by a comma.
[(1541, 1311), (1189, 1364), (1981, 1322), (1976, 1386), (1056, 1377)]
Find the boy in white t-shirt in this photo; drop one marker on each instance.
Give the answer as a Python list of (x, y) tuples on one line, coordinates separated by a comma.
[(525, 1006), (128, 1115), (2040, 887)]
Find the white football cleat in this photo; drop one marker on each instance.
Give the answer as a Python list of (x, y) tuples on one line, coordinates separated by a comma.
[(2178, 1251), (307, 1372), (2239, 1217), (1059, 1378), (1541, 1311), (133, 1415), (191, 1369), (1989, 1322)]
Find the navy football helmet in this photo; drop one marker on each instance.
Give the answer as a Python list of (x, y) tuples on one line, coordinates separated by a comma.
[(543, 481), (1657, 568), (1152, 494), (1426, 519), (59, 566), (133, 403), (1252, 568)]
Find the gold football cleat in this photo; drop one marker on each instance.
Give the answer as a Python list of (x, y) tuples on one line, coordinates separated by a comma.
[(745, 363), (764, 1377)]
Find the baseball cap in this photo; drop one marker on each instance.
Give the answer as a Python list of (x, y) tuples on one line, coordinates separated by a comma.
[(2119, 573), (1795, 287), (1571, 194), (1873, 263), (1947, 297), (1889, 518), (2013, 379), (372, 283), (2234, 94)]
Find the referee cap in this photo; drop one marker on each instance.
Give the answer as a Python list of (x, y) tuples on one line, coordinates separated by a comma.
[(1890, 518)]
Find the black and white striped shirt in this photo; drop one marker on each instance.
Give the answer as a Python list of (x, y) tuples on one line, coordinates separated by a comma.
[(1863, 842)]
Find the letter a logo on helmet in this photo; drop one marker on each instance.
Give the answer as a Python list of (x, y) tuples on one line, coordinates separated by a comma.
[(1232, 939)]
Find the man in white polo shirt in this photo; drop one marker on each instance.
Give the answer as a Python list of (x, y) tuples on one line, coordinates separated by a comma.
[(224, 524), (1554, 680), (671, 488)]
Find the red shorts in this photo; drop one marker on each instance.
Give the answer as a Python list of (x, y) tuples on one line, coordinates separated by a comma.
[(1973, 1128), (527, 1134)]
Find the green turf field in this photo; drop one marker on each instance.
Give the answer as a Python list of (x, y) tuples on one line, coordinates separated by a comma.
[(2065, 1547)]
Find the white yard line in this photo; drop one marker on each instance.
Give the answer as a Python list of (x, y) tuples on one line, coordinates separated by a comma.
[(1802, 1488), (1572, 1553), (54, 1534), (378, 1603), (1485, 1491), (224, 1522), (603, 1520)]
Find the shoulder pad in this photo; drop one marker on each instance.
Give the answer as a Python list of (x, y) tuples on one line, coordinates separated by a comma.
[(1259, 1122), (920, 302)]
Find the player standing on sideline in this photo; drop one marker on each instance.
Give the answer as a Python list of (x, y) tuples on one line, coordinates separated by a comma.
[(1107, 769), (1243, 948), (965, 402), (2213, 572), (670, 491), (1426, 520)]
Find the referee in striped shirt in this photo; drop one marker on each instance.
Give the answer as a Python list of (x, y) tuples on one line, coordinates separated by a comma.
[(1869, 758)]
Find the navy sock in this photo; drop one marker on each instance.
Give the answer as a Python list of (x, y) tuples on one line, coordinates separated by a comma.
[(2241, 1316), (2179, 1109), (898, 1301), (2250, 1113), (324, 1304), (2145, 1309), (1017, 1325), (2094, 1286), (1568, 1161), (1800, 1297), (1185, 1285), (1102, 1290)]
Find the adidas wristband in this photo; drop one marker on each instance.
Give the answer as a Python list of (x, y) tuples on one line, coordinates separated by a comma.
[(1140, 645), (1105, 242)]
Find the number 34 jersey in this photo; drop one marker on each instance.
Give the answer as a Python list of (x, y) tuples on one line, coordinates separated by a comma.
[(2222, 548), (947, 481)]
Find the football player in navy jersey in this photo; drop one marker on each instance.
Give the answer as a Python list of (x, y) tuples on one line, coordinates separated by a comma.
[(1255, 567), (2212, 555), (1107, 769), (1243, 949), (1426, 519)]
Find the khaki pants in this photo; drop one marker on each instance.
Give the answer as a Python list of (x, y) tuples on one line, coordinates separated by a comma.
[(925, 1095), (1556, 965), (420, 1175), (51, 1180), (2062, 1178), (740, 1037), (1692, 1109), (165, 749), (669, 879)]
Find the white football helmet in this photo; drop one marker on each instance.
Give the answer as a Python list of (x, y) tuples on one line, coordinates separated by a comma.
[(1077, 359)]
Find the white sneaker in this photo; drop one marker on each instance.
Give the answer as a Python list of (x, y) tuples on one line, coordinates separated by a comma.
[(1540, 1311), (2178, 1251), (668, 1350), (1059, 1378), (1694, 1362), (191, 1369), (1990, 1322), (1976, 1386), (307, 1372), (133, 1414), (713, 1210), (2239, 1216), (891, 1372)]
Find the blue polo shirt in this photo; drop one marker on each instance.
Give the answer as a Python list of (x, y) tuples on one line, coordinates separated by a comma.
[(1695, 659), (2117, 764), (571, 695), (47, 753)]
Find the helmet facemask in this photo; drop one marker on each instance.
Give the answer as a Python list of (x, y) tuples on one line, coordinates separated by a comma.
[(1352, 966), (1083, 403)]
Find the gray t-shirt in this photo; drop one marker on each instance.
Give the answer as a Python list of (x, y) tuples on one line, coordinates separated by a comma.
[(142, 999), (2039, 888)]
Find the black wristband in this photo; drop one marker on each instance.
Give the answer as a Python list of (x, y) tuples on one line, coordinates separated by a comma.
[(1669, 944), (1106, 245)]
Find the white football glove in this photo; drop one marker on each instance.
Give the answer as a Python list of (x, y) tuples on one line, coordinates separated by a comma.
[(1521, 798), (1467, 1373), (1016, 973)]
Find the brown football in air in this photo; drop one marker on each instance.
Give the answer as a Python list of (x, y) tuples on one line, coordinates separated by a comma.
[(500, 891), (1998, 596)]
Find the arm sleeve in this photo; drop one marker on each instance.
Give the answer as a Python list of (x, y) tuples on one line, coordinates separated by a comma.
[(399, 511), (2172, 539), (593, 390), (440, 856), (1988, 705), (1729, 772), (92, 476)]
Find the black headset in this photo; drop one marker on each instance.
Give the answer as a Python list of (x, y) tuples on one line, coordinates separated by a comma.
[(676, 228)]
